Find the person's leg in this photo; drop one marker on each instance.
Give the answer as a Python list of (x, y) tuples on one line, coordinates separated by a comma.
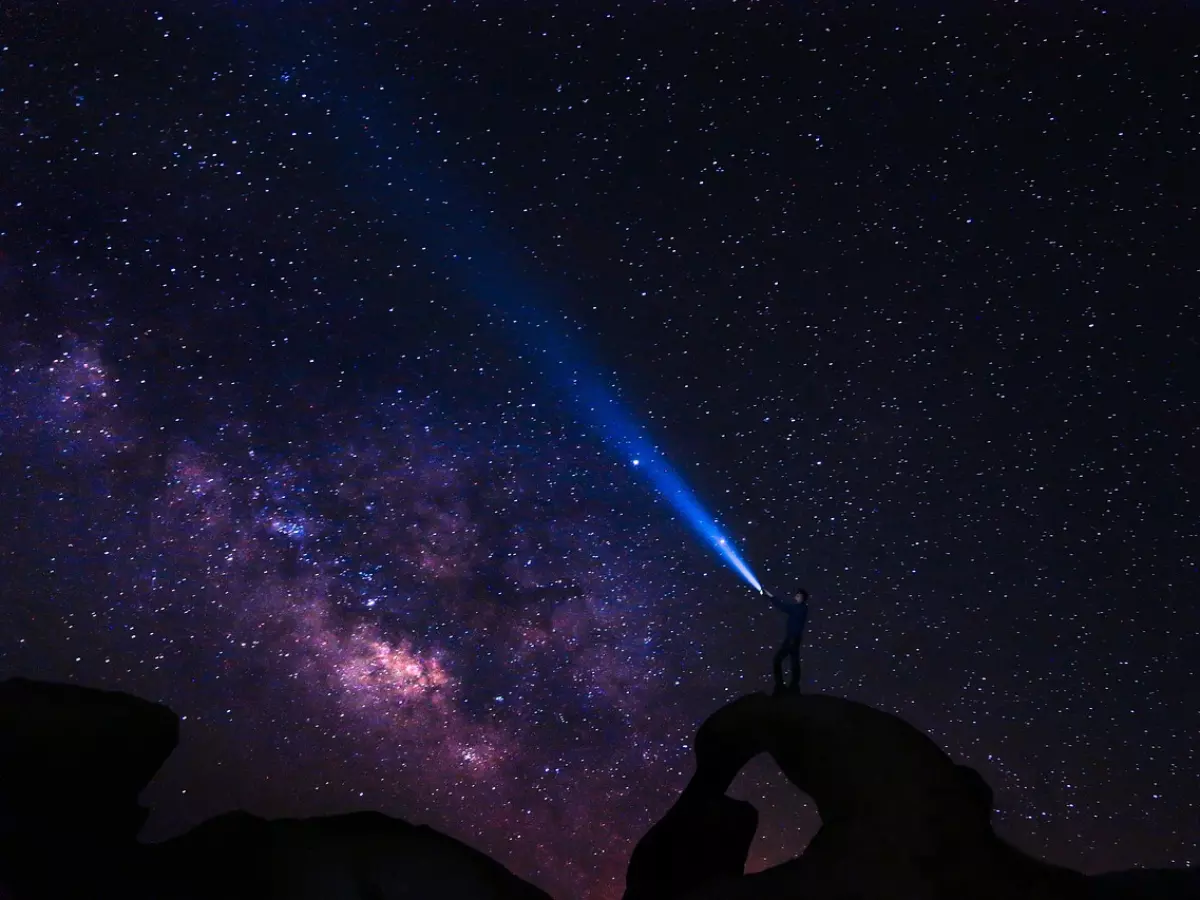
[(794, 653), (778, 666)]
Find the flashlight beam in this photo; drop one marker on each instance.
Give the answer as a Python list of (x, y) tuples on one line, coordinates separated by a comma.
[(620, 430), (492, 278), (429, 202)]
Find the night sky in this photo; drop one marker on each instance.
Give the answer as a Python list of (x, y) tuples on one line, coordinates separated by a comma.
[(297, 306)]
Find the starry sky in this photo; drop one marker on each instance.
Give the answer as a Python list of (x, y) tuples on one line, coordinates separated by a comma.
[(296, 303)]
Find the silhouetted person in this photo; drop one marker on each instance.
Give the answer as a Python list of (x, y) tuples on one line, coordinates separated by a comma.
[(797, 618)]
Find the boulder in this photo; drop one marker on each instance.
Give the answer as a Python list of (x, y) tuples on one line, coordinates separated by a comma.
[(1147, 884), (357, 856), (73, 760), (703, 838), (900, 819)]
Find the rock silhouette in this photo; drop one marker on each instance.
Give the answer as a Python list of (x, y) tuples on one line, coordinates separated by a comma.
[(703, 838), (73, 761), (365, 855), (900, 819), (1147, 884)]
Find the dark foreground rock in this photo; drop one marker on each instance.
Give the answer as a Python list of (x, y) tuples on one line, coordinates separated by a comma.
[(1147, 884), (900, 819), (72, 763), (703, 838), (363, 856), (74, 760)]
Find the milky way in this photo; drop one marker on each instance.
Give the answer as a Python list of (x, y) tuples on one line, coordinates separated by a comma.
[(908, 299), (442, 599)]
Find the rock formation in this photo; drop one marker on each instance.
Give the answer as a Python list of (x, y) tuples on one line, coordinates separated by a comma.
[(900, 820), (1147, 884), (364, 856), (72, 763), (73, 760), (703, 838)]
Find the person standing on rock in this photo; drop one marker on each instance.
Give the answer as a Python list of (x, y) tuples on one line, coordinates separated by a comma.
[(797, 618)]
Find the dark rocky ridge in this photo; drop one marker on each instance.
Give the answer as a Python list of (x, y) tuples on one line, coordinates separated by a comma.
[(900, 820), (359, 856), (73, 760)]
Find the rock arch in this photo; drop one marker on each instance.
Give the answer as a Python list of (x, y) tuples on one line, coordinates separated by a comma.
[(899, 817)]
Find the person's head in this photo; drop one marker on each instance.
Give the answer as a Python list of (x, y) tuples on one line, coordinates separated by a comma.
[(801, 596)]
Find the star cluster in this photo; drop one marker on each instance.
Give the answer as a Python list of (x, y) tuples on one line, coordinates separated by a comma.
[(441, 603), (907, 298)]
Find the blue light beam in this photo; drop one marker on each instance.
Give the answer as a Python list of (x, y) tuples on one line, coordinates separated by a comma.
[(620, 430), (494, 280), (425, 201)]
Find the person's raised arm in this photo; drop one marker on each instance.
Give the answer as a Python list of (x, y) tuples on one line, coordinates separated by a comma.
[(775, 601)]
